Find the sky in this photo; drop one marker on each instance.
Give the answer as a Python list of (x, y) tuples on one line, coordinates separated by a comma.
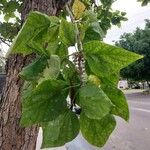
[(135, 14)]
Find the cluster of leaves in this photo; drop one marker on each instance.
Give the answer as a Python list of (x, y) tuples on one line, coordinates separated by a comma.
[(105, 15), (52, 78), (137, 42), (9, 9)]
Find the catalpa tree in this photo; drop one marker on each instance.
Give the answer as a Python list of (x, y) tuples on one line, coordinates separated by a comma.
[(64, 95)]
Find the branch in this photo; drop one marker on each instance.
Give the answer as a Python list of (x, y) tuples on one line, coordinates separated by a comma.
[(78, 40), (4, 41), (79, 56)]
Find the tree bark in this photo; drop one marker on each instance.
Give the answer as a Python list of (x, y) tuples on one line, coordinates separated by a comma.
[(12, 136)]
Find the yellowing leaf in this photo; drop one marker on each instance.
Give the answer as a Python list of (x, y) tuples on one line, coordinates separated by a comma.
[(94, 79), (78, 8)]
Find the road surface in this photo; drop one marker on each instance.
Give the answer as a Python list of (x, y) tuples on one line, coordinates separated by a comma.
[(134, 135)]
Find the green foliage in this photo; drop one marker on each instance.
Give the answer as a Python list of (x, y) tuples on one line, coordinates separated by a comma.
[(32, 71), (137, 42), (67, 33), (107, 17), (53, 68), (93, 101), (97, 131), (118, 99), (144, 2), (69, 71), (61, 130), (8, 30), (12, 9), (55, 86), (104, 59), (34, 25), (44, 104), (93, 32)]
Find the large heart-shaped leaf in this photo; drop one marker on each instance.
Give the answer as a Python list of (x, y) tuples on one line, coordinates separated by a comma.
[(97, 132), (93, 101), (61, 130), (45, 103), (33, 25), (104, 59)]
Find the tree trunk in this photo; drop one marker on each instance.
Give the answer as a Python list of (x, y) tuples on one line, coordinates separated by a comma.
[(12, 136)]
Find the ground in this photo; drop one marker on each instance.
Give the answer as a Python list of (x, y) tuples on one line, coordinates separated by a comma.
[(134, 135)]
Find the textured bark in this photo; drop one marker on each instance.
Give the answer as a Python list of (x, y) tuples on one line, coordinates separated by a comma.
[(12, 136)]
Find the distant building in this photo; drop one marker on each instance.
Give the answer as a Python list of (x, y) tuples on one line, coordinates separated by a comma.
[(123, 84)]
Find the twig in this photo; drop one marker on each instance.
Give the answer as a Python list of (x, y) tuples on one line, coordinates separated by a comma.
[(4, 41), (72, 86), (77, 37)]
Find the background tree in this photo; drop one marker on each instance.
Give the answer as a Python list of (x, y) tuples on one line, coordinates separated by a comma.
[(12, 136), (138, 42), (144, 2)]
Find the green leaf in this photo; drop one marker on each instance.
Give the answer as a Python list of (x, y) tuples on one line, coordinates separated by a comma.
[(105, 60), (111, 79), (53, 67), (34, 24), (27, 89), (39, 42), (62, 51), (94, 80), (93, 101), (69, 72), (118, 99), (97, 132), (67, 33), (8, 16), (55, 21), (89, 16), (61, 130), (11, 6), (46, 36), (34, 70), (93, 32), (52, 70), (53, 33), (46, 102), (57, 48)]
